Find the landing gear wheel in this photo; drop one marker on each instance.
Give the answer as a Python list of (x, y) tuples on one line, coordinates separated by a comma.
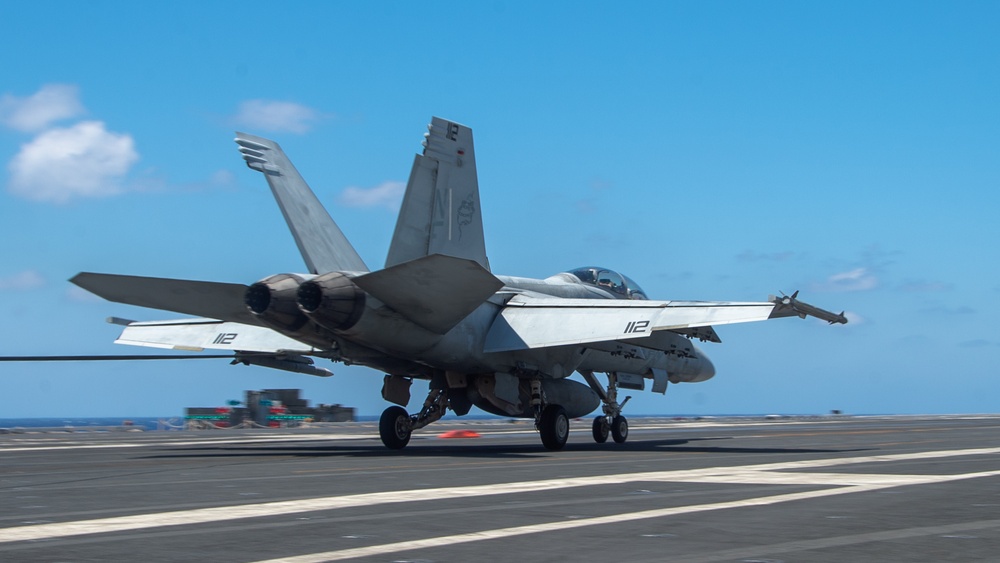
[(394, 428), (601, 429), (619, 429), (554, 427)]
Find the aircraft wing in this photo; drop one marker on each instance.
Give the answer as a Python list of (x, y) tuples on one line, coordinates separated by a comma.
[(253, 345), (537, 322), (215, 300), (196, 335)]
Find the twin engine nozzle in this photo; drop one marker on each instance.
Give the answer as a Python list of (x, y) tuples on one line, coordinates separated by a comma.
[(289, 301)]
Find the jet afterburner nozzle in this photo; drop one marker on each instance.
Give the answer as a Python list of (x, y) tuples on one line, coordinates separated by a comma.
[(273, 301), (332, 300)]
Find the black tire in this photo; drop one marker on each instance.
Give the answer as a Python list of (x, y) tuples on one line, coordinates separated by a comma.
[(554, 427), (394, 428), (601, 429), (619, 429)]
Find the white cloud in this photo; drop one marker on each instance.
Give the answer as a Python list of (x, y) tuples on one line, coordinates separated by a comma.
[(51, 103), (858, 279), (85, 160), (22, 281), (275, 116), (387, 194)]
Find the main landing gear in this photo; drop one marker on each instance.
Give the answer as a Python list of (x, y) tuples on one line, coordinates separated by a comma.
[(553, 425), (611, 422), (550, 420), (395, 425)]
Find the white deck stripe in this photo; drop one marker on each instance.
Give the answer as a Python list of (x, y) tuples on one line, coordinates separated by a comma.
[(764, 473), (289, 439), (445, 541)]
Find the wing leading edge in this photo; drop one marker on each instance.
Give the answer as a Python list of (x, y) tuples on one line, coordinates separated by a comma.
[(531, 322)]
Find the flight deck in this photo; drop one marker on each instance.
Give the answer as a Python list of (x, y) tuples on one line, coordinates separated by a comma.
[(906, 488)]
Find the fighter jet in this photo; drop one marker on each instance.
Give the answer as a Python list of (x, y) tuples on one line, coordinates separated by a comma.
[(435, 311)]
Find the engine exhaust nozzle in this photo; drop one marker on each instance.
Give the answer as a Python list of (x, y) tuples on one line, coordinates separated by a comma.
[(273, 301), (332, 300)]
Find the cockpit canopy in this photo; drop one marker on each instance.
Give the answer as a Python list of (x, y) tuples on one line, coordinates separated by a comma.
[(611, 281)]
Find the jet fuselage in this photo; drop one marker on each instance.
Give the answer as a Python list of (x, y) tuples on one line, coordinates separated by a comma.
[(413, 351)]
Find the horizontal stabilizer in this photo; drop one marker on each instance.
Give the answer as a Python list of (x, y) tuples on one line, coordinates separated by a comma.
[(223, 301), (435, 292), (322, 244), (195, 335), (529, 322)]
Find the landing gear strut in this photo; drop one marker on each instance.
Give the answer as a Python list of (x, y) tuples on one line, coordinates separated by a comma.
[(612, 420), (395, 426)]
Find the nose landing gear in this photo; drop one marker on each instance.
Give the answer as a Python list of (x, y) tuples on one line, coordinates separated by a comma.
[(619, 429), (612, 420), (601, 429)]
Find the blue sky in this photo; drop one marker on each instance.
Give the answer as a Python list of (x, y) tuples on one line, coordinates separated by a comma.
[(709, 150)]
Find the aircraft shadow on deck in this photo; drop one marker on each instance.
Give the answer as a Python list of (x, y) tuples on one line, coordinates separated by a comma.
[(432, 447)]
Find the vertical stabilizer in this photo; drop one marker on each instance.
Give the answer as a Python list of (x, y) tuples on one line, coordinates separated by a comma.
[(440, 212), (323, 246)]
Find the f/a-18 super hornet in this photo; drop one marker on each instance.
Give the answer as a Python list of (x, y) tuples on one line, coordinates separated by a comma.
[(436, 311)]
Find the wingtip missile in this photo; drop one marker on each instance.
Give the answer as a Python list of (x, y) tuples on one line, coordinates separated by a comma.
[(789, 305)]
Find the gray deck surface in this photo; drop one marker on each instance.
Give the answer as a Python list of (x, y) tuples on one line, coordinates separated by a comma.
[(741, 490)]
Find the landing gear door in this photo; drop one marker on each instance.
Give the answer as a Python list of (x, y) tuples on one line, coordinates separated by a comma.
[(660, 380), (396, 389)]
